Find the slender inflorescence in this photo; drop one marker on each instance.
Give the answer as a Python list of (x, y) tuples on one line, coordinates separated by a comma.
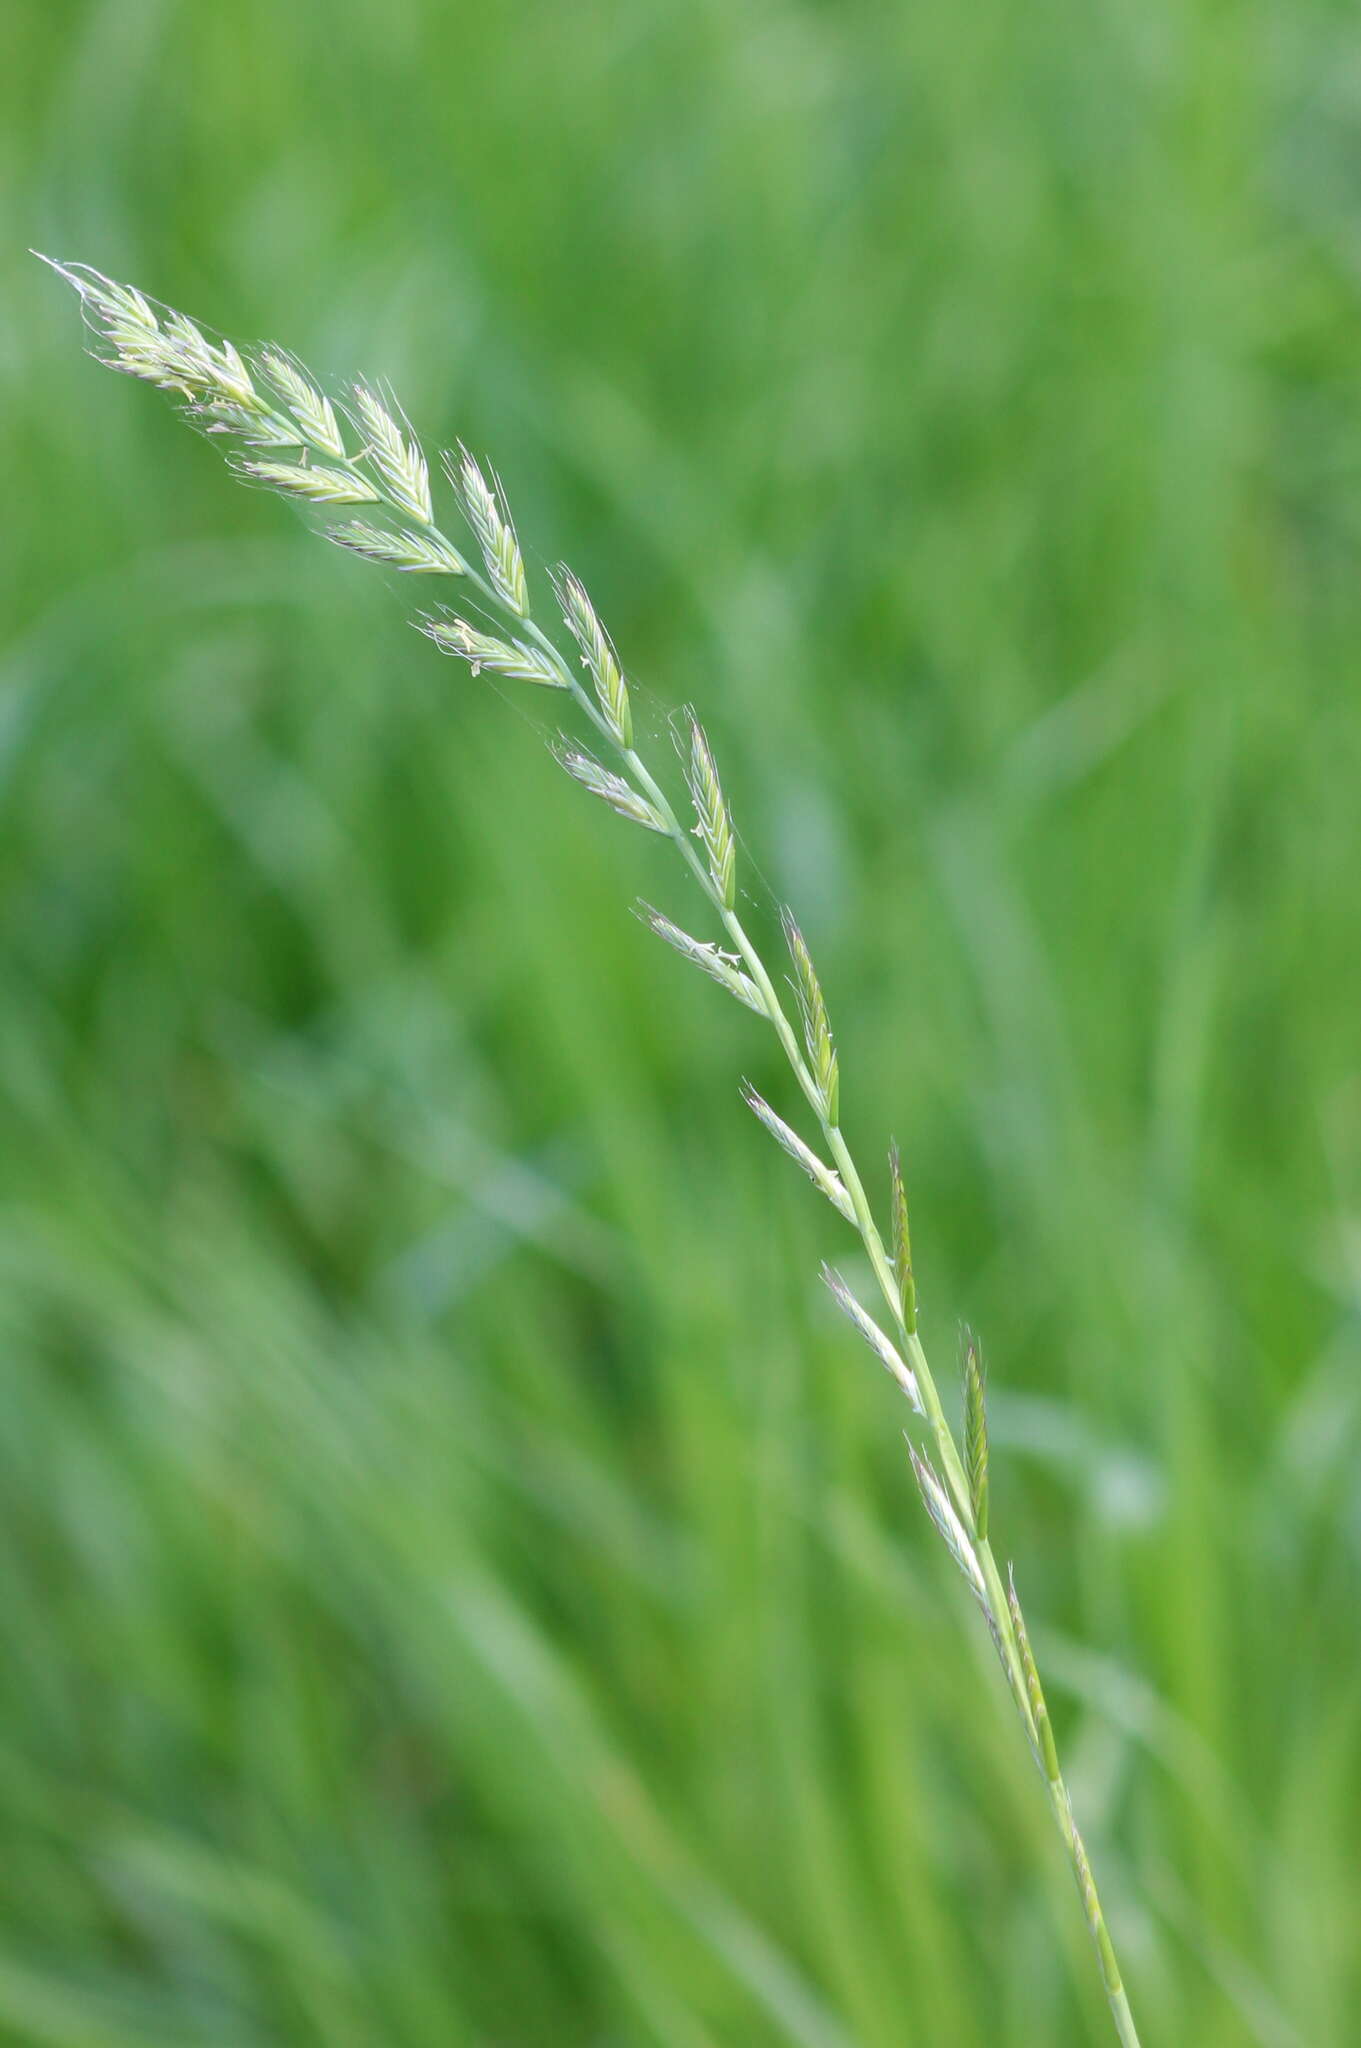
[(287, 436)]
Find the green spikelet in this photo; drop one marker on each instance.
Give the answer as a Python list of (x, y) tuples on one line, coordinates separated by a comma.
[(714, 827), (311, 409), (902, 1244), (489, 520), (976, 1432), (817, 1032), (396, 457), (598, 657), (1091, 1905), (1039, 1712)]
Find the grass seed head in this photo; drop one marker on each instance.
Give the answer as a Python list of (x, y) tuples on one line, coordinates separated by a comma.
[(272, 404)]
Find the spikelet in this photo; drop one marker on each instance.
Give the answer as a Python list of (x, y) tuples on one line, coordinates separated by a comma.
[(205, 363), (319, 485), (495, 534), (611, 788), (597, 657), (886, 1352), (1096, 1919), (902, 1245), (398, 461), (257, 429), (976, 1431), (823, 1178), (714, 827), (419, 554), (191, 348), (817, 1032), (514, 659), (721, 966), (175, 354), (125, 313), (1046, 1752), (311, 408), (947, 1522)]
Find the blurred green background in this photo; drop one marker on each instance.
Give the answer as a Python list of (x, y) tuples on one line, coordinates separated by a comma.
[(459, 1585)]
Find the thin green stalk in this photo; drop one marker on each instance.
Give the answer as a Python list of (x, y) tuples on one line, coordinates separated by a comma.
[(289, 438)]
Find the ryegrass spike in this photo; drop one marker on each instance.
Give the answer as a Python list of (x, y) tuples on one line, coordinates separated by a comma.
[(168, 349)]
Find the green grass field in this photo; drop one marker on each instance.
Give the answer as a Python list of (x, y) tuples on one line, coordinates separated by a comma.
[(460, 1584)]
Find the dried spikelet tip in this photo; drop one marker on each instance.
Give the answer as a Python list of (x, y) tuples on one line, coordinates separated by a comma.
[(722, 967), (597, 657), (817, 1032), (975, 1429), (713, 826), (886, 1352), (822, 1176), (513, 659), (311, 408), (495, 534), (902, 1244), (611, 788), (397, 459)]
